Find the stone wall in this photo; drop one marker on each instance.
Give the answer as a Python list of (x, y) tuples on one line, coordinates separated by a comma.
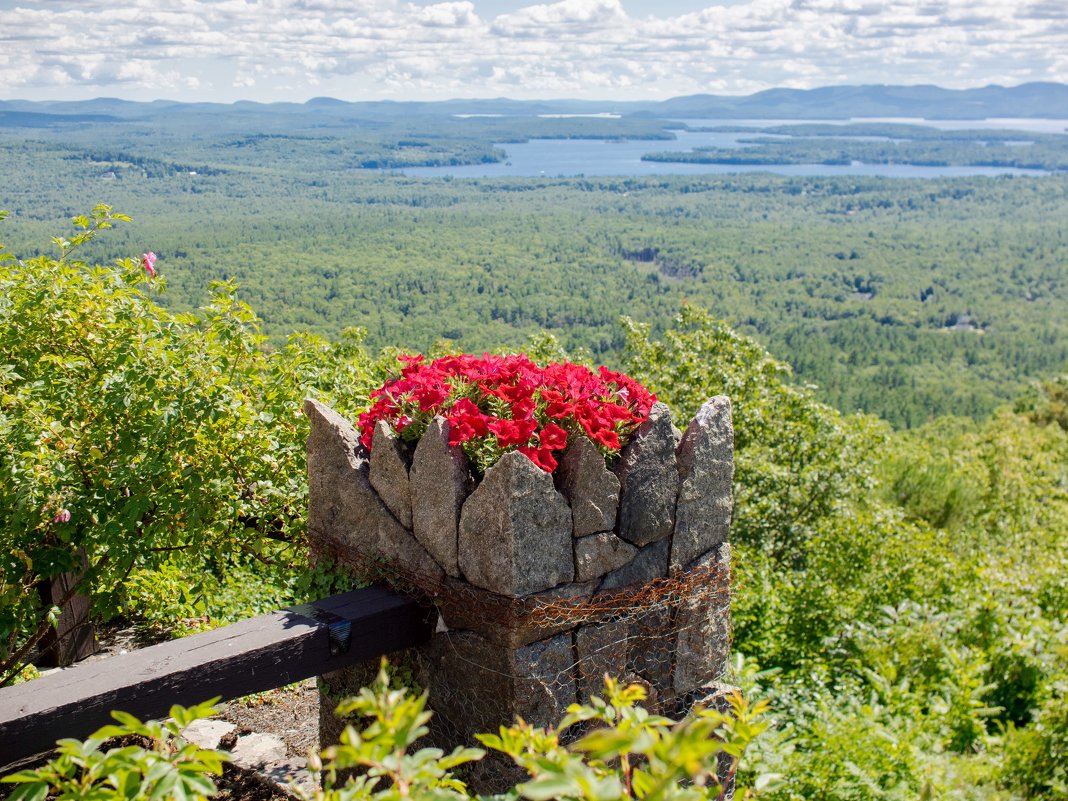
[(544, 583)]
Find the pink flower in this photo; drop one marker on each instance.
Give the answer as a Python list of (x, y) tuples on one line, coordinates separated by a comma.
[(63, 516), (148, 261)]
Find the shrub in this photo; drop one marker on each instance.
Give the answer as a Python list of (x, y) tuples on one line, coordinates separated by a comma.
[(626, 754), (168, 767), (142, 437)]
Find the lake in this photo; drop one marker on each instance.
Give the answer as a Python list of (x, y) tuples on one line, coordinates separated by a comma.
[(553, 158)]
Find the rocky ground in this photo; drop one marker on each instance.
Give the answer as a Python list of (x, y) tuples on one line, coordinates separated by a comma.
[(268, 735)]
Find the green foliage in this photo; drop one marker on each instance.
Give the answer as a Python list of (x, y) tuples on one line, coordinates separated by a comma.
[(1035, 762), (381, 753), (170, 595), (169, 768), (626, 754), (905, 298), (629, 753), (143, 437), (797, 460), (1049, 404), (906, 588)]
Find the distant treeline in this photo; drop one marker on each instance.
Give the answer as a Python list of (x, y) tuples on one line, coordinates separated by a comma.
[(876, 143)]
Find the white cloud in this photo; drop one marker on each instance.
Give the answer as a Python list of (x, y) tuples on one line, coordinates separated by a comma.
[(596, 48), (557, 18), (448, 15)]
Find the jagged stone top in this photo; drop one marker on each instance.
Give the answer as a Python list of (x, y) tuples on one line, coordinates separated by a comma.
[(520, 530)]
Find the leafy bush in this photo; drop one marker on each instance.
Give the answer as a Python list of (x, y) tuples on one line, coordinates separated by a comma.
[(630, 753), (1036, 758), (168, 768), (797, 461), (142, 437), (626, 754), (907, 589)]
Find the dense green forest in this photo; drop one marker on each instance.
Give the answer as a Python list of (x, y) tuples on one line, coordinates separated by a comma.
[(909, 299)]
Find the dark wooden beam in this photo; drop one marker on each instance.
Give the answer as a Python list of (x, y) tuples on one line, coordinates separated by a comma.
[(251, 656)]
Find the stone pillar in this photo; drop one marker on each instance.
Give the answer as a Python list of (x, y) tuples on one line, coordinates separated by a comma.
[(544, 583)]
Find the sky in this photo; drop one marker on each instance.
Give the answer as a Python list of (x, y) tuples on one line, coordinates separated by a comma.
[(293, 50)]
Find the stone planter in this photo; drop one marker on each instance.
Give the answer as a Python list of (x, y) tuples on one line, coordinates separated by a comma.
[(544, 583)]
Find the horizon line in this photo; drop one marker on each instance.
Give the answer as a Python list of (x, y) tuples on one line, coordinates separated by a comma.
[(558, 99)]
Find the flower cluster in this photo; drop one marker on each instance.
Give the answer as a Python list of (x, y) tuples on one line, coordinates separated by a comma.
[(148, 261), (495, 404)]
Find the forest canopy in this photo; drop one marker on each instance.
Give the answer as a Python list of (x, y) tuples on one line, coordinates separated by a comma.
[(906, 298)]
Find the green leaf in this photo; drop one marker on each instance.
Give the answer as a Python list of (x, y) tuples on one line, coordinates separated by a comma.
[(550, 786), (33, 791), (766, 780), (459, 756)]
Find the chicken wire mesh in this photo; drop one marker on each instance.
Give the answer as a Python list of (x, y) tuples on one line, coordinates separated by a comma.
[(496, 658)]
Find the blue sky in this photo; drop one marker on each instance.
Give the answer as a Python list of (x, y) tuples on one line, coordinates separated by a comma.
[(225, 50)]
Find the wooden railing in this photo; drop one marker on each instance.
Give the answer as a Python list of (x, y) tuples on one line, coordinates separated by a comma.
[(253, 655)]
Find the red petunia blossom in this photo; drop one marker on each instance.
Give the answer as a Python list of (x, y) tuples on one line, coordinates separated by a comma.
[(542, 457), (513, 432), (605, 437), (553, 437), (466, 422), (498, 403), (524, 409), (430, 397)]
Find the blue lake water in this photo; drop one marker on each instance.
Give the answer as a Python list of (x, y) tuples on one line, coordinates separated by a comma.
[(553, 158)]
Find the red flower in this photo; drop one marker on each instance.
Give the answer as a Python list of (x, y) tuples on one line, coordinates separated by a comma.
[(430, 397), (524, 409), (465, 422), (513, 432), (605, 437), (542, 457), (499, 403), (553, 437)]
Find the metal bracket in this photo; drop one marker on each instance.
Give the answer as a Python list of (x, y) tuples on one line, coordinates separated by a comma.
[(338, 629)]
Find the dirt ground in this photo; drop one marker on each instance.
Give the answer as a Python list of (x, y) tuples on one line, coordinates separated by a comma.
[(290, 713)]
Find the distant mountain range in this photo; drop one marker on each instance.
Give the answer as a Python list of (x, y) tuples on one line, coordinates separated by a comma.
[(836, 102), (1049, 100)]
